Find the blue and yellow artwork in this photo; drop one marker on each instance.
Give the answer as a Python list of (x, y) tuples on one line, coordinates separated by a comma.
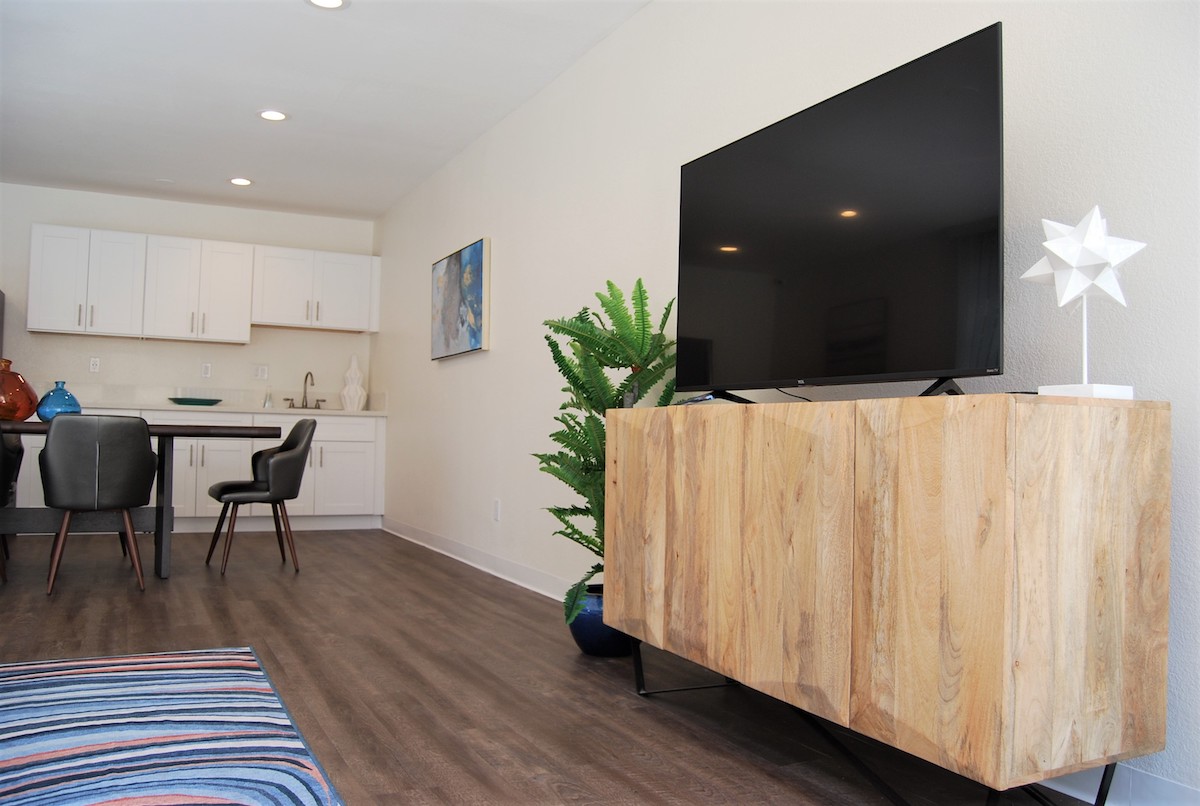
[(460, 309)]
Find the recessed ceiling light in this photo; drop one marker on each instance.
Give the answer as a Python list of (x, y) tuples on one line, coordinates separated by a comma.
[(849, 214), (240, 181), (272, 114), (728, 248), (328, 3)]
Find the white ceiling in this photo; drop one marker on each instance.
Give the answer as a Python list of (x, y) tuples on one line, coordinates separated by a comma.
[(160, 98)]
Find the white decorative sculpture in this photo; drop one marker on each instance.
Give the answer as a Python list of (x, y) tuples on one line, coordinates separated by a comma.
[(354, 397), (1082, 261)]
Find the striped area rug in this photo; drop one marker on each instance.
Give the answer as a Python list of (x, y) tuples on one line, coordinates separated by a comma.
[(204, 727)]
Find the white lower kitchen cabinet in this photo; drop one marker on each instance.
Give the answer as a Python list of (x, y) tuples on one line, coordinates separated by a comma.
[(29, 477), (201, 463), (343, 477), (344, 473)]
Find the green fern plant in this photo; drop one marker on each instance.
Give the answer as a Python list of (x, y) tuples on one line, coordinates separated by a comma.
[(610, 358)]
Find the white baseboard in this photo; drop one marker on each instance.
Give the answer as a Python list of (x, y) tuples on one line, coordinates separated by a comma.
[(546, 584), (300, 523), (1130, 787)]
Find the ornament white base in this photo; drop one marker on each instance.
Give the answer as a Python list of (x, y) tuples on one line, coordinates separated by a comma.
[(1088, 390)]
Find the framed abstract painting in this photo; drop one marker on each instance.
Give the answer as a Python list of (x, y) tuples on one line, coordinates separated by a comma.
[(460, 301)]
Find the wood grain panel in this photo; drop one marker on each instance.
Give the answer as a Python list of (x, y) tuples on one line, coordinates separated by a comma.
[(798, 554), (932, 497), (635, 569), (755, 540), (1090, 617)]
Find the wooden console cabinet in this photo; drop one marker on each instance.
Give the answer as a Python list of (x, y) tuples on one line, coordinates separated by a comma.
[(979, 580)]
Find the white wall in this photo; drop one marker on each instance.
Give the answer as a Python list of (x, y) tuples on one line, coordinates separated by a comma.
[(144, 368), (581, 185)]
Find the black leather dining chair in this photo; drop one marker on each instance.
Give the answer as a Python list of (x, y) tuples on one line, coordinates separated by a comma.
[(277, 473), (94, 463), (11, 453)]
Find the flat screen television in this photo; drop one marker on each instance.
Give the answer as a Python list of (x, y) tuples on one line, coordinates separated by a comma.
[(858, 240)]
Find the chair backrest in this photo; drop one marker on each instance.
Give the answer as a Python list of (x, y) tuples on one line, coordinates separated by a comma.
[(285, 467), (97, 462)]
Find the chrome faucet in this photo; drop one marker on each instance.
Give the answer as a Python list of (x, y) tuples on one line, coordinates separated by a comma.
[(308, 378)]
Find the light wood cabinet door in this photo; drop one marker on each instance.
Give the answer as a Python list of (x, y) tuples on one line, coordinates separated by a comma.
[(730, 537)]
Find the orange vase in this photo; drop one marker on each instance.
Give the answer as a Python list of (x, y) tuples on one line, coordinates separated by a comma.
[(17, 398)]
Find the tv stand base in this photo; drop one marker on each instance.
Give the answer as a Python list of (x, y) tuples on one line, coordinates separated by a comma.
[(860, 766), (943, 386)]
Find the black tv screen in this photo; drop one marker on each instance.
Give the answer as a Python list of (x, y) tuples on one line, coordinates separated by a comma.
[(858, 240)]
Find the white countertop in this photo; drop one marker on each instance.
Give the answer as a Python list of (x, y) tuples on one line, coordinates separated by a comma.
[(101, 397), (232, 408)]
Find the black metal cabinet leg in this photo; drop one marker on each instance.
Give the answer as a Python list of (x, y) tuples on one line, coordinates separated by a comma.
[(639, 676)]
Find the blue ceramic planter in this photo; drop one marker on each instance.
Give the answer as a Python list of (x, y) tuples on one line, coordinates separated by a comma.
[(57, 401), (592, 635)]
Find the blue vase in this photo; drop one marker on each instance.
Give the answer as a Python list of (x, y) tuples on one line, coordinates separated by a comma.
[(57, 401), (592, 635)]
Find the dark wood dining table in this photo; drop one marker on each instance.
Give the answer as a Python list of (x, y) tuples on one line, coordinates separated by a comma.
[(158, 517)]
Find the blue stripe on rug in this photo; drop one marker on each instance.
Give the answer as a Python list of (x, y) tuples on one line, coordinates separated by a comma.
[(202, 727)]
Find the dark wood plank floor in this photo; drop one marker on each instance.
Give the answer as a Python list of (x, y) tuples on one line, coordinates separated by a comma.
[(418, 679)]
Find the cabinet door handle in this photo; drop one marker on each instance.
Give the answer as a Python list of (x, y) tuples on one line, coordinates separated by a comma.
[(203, 323), (91, 316), (201, 456), (192, 326), (191, 455), (322, 456), (307, 309), (79, 315), (318, 310)]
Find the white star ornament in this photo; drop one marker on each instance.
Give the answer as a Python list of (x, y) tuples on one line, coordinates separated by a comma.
[(1082, 260)]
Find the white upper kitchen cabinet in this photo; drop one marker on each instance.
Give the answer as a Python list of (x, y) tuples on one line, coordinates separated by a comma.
[(86, 281), (198, 289), (302, 288)]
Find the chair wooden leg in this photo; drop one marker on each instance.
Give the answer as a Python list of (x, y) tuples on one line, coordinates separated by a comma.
[(279, 531), (229, 538), (287, 531), (217, 533), (60, 540), (130, 540)]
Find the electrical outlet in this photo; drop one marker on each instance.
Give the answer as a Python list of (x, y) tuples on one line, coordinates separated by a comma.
[(206, 370), (260, 372), (93, 365)]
